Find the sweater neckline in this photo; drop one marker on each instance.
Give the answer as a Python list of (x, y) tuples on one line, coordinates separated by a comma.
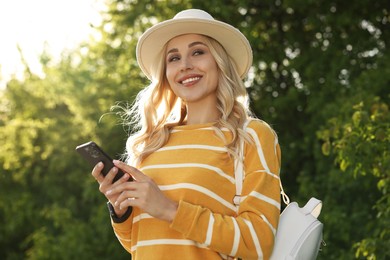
[(194, 126)]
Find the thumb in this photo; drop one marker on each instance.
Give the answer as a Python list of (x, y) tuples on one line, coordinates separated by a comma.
[(134, 172)]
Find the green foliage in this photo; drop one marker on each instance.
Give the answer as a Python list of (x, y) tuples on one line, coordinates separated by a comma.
[(359, 142), (48, 197), (320, 77)]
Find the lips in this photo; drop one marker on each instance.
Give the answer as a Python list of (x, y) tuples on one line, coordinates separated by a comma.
[(189, 80)]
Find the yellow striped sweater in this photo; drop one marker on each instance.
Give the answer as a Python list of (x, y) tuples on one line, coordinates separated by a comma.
[(194, 169)]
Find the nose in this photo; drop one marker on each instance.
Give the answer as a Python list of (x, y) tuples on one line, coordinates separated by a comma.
[(186, 64)]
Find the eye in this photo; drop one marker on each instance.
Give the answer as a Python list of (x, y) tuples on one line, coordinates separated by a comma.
[(198, 52), (173, 58)]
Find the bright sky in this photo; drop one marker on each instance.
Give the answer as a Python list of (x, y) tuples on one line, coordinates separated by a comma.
[(30, 23)]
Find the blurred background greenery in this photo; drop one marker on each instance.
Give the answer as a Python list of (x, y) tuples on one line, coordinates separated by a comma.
[(320, 77)]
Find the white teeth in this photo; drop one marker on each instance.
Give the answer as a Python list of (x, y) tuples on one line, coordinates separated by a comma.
[(190, 80)]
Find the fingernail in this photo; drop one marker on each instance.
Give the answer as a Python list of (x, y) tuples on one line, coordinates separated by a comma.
[(100, 164), (116, 161), (116, 203), (109, 192), (115, 170)]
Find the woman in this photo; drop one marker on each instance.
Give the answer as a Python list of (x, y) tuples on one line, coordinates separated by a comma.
[(191, 121)]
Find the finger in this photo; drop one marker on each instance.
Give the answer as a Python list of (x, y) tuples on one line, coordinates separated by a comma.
[(123, 179), (137, 174), (108, 184), (122, 199), (128, 202), (97, 172), (110, 175), (121, 188)]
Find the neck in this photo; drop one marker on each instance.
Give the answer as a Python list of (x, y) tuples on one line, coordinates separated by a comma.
[(202, 113)]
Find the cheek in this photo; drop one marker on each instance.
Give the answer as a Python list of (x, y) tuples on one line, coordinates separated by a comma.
[(214, 75), (170, 75)]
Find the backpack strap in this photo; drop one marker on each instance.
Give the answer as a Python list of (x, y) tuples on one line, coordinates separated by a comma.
[(239, 168), (285, 198), (313, 206), (239, 173)]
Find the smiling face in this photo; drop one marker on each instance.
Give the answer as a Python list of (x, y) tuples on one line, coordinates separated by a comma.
[(191, 69)]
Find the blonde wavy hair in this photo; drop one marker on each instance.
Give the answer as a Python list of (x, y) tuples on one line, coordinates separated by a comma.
[(157, 109)]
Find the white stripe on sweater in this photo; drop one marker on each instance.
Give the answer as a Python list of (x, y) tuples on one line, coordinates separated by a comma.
[(255, 239), (223, 129), (265, 198), (153, 242), (193, 146), (122, 238), (190, 165), (260, 152), (200, 189), (269, 224), (141, 216), (209, 234), (237, 234)]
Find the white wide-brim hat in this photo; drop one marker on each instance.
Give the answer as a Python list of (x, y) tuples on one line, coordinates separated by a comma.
[(195, 21)]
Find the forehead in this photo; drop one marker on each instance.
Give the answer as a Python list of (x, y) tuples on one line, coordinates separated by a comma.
[(185, 39)]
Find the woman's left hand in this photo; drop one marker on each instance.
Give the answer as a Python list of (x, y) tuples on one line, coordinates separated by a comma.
[(143, 193)]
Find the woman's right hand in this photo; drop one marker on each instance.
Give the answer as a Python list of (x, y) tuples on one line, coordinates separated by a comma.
[(105, 184)]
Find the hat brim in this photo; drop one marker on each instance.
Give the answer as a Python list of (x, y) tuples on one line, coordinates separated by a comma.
[(152, 41)]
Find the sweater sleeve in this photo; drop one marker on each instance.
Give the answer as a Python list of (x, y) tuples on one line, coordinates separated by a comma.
[(249, 234), (123, 232)]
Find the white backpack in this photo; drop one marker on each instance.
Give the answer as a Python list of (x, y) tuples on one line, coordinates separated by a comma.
[(299, 232)]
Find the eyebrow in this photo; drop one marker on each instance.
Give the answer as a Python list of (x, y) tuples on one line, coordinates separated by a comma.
[(189, 46)]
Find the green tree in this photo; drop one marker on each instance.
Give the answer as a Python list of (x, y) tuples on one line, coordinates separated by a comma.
[(320, 77), (48, 198)]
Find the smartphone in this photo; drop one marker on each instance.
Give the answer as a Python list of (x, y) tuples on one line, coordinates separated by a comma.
[(94, 154)]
